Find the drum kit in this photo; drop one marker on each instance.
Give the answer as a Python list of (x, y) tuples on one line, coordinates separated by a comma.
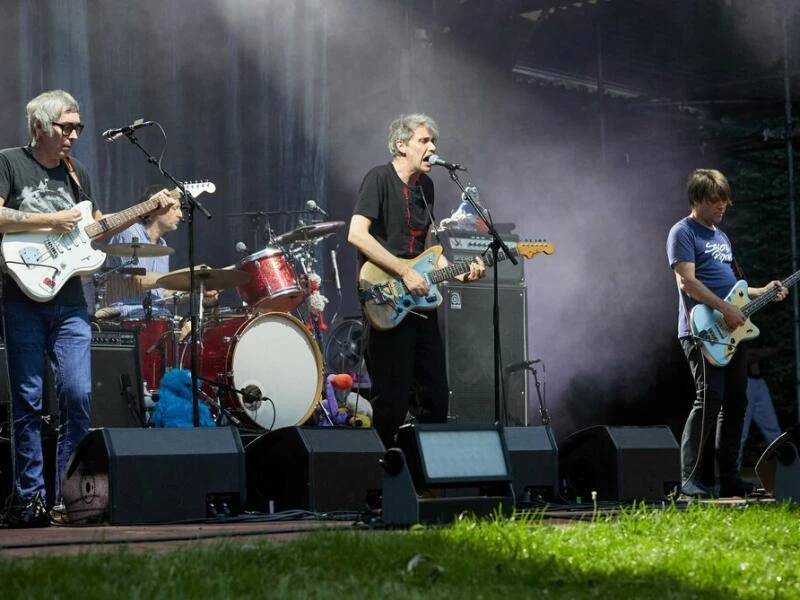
[(260, 366)]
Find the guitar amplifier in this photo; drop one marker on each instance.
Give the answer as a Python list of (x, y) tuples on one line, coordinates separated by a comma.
[(464, 246)]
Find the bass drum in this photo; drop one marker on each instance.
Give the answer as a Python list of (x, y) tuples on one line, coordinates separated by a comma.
[(271, 355)]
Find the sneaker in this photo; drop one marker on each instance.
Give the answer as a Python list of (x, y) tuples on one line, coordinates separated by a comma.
[(735, 486), (695, 489), (26, 511), (58, 514)]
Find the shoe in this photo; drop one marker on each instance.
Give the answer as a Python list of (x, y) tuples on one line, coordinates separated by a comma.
[(26, 511), (735, 486), (58, 514), (695, 489)]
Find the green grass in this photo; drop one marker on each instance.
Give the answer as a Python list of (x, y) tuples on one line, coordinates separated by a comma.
[(703, 552)]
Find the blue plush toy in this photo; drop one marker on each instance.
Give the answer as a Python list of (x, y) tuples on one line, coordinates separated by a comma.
[(174, 407)]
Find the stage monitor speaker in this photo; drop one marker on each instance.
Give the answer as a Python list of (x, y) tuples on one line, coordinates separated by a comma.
[(778, 469), (533, 454), (465, 319), (621, 463), (137, 476), (316, 469)]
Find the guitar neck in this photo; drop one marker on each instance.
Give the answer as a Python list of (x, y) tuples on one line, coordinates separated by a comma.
[(755, 305), (459, 268), (121, 218)]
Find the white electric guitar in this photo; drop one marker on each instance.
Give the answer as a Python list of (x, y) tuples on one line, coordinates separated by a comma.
[(41, 262)]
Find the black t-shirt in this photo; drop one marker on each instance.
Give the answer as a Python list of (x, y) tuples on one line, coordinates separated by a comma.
[(398, 212), (28, 186)]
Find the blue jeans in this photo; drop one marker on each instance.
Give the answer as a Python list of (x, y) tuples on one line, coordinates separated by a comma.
[(759, 411), (64, 335)]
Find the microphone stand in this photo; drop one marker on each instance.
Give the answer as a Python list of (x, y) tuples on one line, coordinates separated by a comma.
[(189, 204), (495, 246)]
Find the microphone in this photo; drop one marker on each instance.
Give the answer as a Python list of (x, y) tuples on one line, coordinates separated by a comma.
[(519, 366), (252, 396), (312, 206), (435, 160), (111, 135), (242, 248), (336, 270)]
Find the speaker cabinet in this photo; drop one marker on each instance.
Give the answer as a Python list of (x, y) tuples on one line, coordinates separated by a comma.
[(117, 392), (533, 455), (466, 322), (778, 469), (316, 469), (621, 463), (136, 476)]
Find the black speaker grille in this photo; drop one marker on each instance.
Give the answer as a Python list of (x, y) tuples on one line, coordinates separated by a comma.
[(466, 323)]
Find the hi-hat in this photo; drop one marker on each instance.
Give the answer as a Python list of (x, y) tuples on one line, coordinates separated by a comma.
[(141, 250), (309, 232), (213, 279)]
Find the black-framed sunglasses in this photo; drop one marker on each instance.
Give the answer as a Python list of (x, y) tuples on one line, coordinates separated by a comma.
[(68, 128)]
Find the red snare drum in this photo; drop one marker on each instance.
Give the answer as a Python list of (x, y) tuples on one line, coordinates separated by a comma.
[(274, 285), (155, 348), (273, 353)]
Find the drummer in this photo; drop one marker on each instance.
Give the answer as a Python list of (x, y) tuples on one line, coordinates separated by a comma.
[(134, 295)]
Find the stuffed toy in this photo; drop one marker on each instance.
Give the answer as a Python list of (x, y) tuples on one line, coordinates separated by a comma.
[(316, 303), (174, 406), (343, 406)]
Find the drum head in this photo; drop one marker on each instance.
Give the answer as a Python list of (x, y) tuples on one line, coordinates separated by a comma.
[(276, 354)]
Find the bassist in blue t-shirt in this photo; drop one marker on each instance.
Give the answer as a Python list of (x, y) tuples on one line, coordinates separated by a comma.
[(701, 256)]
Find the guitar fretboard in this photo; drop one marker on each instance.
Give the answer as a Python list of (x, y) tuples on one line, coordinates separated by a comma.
[(764, 299), (459, 268), (118, 219)]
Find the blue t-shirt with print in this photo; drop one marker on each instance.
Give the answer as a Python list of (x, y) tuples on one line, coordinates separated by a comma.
[(712, 254)]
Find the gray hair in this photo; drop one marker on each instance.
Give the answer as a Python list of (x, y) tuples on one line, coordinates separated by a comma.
[(47, 107), (402, 129)]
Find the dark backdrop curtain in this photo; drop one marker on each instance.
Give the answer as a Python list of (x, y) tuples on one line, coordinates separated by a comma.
[(239, 87)]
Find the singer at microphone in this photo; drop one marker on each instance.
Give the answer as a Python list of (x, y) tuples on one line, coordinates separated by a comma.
[(111, 135), (391, 220)]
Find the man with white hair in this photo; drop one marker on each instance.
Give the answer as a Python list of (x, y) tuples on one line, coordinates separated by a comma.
[(40, 184), (390, 225)]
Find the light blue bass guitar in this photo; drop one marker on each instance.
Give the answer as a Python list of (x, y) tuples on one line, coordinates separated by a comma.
[(386, 300), (718, 342)]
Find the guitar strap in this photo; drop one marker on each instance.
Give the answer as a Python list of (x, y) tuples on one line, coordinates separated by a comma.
[(73, 175), (430, 216)]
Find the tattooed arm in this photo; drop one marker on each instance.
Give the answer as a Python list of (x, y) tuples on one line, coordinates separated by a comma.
[(16, 220)]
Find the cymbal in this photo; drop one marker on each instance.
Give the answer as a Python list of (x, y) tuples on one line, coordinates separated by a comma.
[(309, 232), (140, 250), (213, 279)]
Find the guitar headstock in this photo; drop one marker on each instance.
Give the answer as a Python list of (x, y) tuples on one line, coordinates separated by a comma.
[(531, 249), (198, 187)]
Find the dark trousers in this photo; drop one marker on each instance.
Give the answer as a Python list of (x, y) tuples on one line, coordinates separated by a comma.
[(719, 405), (406, 360)]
